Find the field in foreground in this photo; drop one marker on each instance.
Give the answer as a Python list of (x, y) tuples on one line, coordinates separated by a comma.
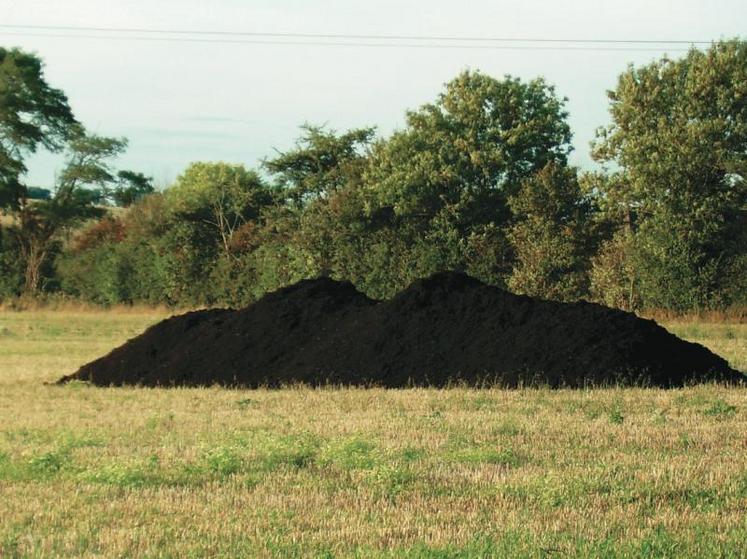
[(335, 473)]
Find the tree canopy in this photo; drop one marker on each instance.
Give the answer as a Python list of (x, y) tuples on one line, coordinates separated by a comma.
[(679, 138), (472, 147), (32, 114), (321, 163), (478, 180)]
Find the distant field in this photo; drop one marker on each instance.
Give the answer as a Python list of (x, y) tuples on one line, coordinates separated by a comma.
[(90, 472)]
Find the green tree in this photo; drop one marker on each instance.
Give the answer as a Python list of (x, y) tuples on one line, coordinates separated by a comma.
[(86, 175), (11, 268), (220, 195), (551, 235), (32, 114), (446, 178), (679, 138), (321, 178), (131, 187), (612, 276), (321, 163), (187, 245), (475, 144)]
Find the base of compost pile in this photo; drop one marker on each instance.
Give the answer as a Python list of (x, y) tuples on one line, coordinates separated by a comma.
[(447, 329)]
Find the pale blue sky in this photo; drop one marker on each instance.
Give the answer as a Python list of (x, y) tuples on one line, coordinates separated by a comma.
[(179, 102)]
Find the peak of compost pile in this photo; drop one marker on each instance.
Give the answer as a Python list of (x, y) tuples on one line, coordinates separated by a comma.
[(445, 329)]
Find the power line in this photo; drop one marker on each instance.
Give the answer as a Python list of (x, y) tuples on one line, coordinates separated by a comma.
[(344, 43), (351, 37)]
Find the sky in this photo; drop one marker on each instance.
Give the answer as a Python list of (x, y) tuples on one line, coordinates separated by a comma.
[(178, 102)]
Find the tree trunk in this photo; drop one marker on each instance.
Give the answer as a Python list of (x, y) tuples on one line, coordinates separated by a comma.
[(32, 274), (35, 235)]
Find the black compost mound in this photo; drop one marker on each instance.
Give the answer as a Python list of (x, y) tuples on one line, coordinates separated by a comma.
[(447, 329)]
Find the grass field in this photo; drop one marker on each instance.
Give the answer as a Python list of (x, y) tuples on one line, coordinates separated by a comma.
[(90, 472)]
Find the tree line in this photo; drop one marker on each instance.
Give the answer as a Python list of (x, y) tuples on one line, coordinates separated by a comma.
[(477, 181)]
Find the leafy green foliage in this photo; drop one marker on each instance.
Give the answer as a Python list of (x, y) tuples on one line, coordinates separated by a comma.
[(679, 136), (165, 247), (469, 150), (11, 268), (131, 187), (613, 275), (476, 181), (321, 163), (550, 235), (32, 114), (444, 180), (221, 196), (83, 182)]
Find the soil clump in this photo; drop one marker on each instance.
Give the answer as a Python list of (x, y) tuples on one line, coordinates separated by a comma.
[(447, 329)]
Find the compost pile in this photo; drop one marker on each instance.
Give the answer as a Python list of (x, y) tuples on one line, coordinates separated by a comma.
[(447, 329)]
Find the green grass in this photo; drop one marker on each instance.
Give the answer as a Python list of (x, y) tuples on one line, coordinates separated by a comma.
[(418, 473)]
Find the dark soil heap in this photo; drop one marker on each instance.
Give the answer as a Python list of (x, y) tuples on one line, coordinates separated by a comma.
[(447, 329)]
